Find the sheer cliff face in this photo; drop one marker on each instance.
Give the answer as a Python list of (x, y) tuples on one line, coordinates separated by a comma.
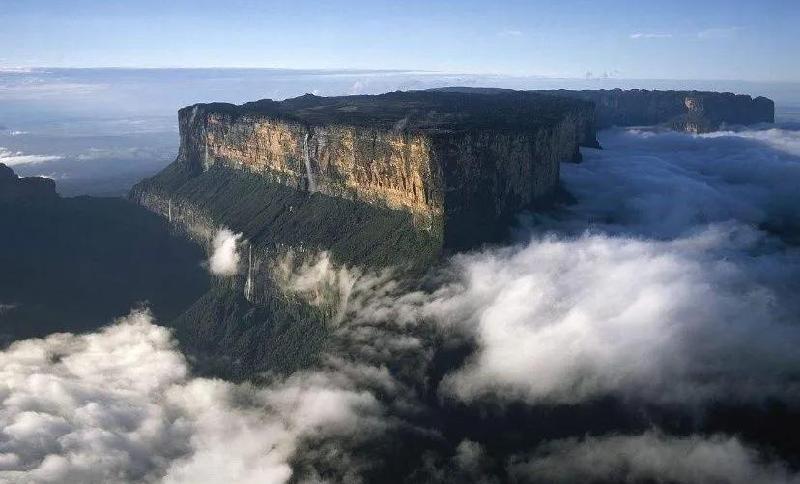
[(450, 172), (381, 167)]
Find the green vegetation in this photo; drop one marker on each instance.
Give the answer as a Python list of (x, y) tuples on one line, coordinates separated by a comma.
[(273, 216), (229, 337)]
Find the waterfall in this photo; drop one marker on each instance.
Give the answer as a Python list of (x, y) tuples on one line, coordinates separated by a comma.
[(169, 210), (248, 285), (307, 158)]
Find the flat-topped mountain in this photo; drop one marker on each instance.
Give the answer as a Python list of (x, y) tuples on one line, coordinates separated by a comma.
[(457, 165)]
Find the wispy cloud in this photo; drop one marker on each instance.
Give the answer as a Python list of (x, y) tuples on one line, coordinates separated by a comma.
[(650, 35), (706, 34), (510, 33), (718, 33), (14, 158)]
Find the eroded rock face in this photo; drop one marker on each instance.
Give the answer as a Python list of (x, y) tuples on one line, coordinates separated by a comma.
[(343, 161), (460, 163)]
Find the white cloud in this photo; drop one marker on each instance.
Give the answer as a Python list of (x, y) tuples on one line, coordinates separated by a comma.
[(34, 87), (224, 259), (650, 457), (707, 34), (15, 158), (571, 320), (650, 35), (718, 33), (317, 279), (785, 140), (510, 33), (118, 405)]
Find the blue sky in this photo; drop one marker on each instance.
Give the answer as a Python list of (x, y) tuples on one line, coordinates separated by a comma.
[(674, 39)]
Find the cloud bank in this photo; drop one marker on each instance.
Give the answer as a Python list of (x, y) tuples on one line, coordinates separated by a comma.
[(119, 405), (571, 320), (16, 158), (650, 457), (673, 282)]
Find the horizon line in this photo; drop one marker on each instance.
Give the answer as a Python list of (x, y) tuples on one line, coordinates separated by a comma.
[(352, 70)]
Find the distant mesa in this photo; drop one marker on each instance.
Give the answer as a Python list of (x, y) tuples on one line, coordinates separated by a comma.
[(688, 111)]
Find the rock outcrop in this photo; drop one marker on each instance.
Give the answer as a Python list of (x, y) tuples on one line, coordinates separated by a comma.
[(458, 165)]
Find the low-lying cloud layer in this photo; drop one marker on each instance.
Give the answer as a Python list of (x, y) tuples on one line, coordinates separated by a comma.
[(119, 405), (15, 158), (571, 320), (650, 457)]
